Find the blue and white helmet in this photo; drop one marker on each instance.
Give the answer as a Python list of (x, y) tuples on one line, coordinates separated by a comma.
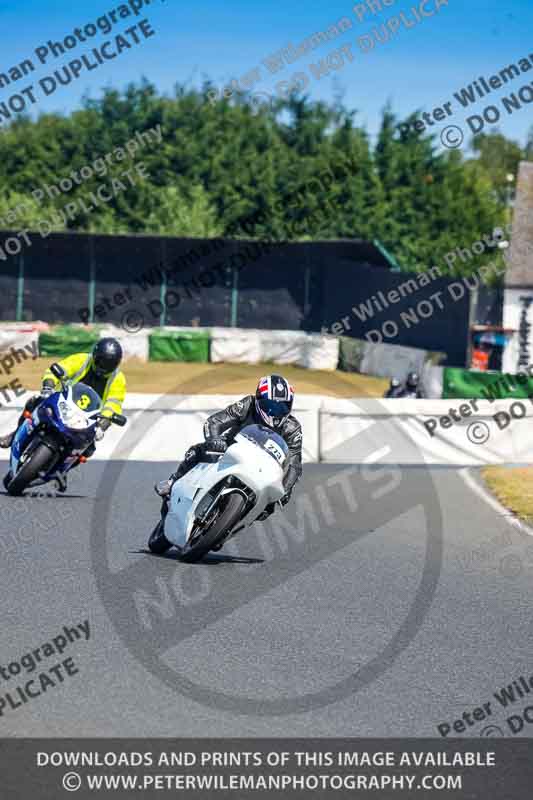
[(273, 400)]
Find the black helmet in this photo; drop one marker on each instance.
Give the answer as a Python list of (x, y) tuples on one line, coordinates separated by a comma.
[(107, 355), (273, 400), (412, 379)]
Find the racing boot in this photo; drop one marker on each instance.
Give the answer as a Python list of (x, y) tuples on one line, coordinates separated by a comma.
[(190, 459), (61, 482)]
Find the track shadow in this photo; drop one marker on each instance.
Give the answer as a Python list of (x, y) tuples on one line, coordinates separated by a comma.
[(47, 496), (212, 559)]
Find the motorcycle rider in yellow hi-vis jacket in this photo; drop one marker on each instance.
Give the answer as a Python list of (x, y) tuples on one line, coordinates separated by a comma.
[(99, 370)]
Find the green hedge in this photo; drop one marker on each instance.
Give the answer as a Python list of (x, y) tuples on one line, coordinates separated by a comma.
[(179, 346), (67, 340)]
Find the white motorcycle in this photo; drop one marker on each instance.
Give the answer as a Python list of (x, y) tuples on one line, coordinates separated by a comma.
[(208, 503)]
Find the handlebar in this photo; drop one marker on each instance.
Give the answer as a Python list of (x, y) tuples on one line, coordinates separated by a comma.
[(116, 419)]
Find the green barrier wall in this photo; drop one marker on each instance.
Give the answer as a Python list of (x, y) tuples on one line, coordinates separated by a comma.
[(464, 383), (66, 340), (168, 346)]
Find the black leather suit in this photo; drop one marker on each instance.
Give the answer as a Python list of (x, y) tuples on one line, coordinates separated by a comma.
[(228, 422)]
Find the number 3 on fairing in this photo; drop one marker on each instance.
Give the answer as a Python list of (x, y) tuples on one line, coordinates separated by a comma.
[(275, 449), (84, 401)]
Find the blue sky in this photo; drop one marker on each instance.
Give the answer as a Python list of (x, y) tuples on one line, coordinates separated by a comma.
[(420, 67)]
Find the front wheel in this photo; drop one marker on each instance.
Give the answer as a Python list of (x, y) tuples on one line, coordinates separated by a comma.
[(225, 520), (38, 461)]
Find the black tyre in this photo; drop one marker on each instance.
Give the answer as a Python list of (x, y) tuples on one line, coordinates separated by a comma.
[(38, 461), (228, 517), (158, 542)]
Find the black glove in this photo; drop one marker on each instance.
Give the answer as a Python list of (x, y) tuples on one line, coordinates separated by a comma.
[(164, 488), (47, 389), (216, 445), (286, 497)]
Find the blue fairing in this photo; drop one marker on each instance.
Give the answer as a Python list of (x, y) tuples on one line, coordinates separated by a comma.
[(47, 424), (19, 443)]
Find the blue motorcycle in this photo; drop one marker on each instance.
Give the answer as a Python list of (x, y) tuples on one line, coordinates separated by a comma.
[(53, 439)]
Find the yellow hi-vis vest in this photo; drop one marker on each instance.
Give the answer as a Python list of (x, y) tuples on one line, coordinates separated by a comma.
[(78, 365)]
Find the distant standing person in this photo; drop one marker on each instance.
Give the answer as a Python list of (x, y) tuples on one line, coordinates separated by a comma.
[(411, 388)]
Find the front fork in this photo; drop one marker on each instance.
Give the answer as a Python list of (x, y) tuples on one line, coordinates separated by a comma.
[(20, 441)]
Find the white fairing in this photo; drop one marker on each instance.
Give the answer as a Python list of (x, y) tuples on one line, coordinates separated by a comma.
[(245, 460), (72, 415)]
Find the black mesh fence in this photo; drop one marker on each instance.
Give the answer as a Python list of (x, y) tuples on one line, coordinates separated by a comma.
[(346, 287), (398, 308), (55, 278)]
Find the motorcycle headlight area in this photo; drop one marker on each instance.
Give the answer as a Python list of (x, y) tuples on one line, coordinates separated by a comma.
[(72, 417)]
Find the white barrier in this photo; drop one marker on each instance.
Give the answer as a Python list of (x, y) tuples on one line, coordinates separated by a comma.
[(252, 346), (334, 430), (392, 360), (134, 345), (349, 429), (164, 426), (26, 340), (320, 352), (282, 347), (235, 346)]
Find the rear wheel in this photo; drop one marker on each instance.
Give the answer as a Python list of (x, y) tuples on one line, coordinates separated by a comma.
[(38, 461), (158, 542), (227, 517)]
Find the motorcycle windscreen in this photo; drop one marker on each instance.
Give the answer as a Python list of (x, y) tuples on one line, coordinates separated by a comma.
[(86, 398), (269, 441)]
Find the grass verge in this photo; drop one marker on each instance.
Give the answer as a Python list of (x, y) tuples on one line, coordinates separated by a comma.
[(513, 486), (156, 376)]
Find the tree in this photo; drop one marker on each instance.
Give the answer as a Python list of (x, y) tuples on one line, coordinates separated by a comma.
[(174, 214), (499, 157), (19, 211), (291, 170), (433, 201)]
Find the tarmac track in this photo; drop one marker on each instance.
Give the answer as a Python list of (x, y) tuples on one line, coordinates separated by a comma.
[(363, 619)]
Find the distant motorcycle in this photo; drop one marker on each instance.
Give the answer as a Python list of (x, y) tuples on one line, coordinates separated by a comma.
[(395, 387), (410, 391), (217, 498), (53, 438)]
